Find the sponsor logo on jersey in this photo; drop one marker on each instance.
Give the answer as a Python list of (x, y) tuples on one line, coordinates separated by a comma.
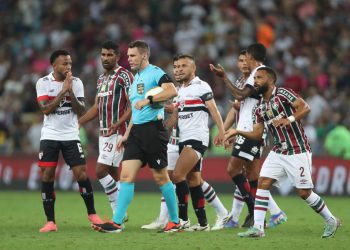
[(140, 88), (62, 112), (190, 115), (103, 94)]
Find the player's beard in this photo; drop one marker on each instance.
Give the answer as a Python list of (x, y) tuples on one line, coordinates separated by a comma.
[(262, 90)]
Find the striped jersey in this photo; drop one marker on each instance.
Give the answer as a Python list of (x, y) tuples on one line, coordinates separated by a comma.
[(239, 83), (62, 123), (245, 122), (193, 114), (112, 90), (288, 140)]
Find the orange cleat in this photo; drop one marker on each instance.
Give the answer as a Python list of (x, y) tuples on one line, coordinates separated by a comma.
[(95, 219), (50, 226)]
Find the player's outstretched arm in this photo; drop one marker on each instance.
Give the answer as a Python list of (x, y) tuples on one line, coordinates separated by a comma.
[(91, 114), (239, 94), (256, 134)]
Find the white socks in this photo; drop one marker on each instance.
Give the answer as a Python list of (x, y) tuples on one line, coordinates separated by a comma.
[(111, 188)]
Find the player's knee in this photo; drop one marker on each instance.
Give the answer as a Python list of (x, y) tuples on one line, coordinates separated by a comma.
[(264, 183), (101, 173), (48, 175), (177, 177), (304, 193)]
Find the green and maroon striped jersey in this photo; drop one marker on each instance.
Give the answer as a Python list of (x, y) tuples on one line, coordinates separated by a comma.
[(290, 139), (112, 90)]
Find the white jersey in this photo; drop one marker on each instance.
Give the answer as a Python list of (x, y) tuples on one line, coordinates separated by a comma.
[(245, 122), (61, 124), (193, 114)]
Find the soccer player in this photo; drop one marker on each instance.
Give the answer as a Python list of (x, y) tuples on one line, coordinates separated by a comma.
[(281, 109), (112, 109), (61, 98), (194, 103), (246, 152), (173, 154), (146, 139)]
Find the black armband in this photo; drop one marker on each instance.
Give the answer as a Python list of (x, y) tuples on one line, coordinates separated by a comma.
[(150, 98)]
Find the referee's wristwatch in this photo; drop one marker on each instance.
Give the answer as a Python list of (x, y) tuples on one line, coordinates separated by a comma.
[(150, 98)]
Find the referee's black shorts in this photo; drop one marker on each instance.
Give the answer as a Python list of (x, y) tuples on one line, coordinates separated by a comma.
[(148, 143)]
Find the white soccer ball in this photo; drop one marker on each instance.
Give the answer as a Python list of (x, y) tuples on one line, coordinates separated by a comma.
[(153, 92)]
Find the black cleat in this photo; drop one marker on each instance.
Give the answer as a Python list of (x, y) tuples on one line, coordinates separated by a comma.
[(248, 221)]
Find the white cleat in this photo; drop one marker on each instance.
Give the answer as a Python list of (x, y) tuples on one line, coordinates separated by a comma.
[(221, 221), (185, 223), (155, 225), (198, 228)]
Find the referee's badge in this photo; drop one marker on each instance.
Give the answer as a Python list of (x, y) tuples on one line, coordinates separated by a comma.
[(140, 88)]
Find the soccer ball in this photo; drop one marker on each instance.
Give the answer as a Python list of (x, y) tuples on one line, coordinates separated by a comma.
[(152, 92)]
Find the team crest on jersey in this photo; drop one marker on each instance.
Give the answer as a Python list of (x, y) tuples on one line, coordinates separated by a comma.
[(275, 104), (181, 104), (269, 113), (41, 153), (140, 88)]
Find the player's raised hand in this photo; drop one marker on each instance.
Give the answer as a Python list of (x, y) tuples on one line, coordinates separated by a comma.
[(218, 70), (67, 84)]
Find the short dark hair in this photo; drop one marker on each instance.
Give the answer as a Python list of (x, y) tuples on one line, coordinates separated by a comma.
[(271, 73), (109, 44), (181, 56), (242, 52), (58, 53), (257, 51), (142, 45)]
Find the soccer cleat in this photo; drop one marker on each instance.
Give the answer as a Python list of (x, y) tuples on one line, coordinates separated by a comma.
[(221, 221), (156, 224), (331, 228), (185, 223), (126, 218), (50, 226), (248, 221), (252, 232), (277, 219), (171, 227), (198, 228), (95, 219), (232, 224), (108, 227)]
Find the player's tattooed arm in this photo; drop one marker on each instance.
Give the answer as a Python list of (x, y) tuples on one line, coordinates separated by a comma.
[(78, 104), (46, 106)]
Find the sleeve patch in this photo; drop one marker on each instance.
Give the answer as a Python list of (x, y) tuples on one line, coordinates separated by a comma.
[(164, 79), (207, 96)]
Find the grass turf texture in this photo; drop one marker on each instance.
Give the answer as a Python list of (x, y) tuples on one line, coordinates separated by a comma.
[(22, 215)]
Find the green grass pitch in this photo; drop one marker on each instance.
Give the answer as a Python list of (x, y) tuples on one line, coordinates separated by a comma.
[(21, 216)]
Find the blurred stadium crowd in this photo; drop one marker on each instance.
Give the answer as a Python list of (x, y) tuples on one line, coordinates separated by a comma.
[(308, 43)]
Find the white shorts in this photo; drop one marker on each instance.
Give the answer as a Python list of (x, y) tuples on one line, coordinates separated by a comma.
[(297, 168), (173, 155), (108, 150)]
